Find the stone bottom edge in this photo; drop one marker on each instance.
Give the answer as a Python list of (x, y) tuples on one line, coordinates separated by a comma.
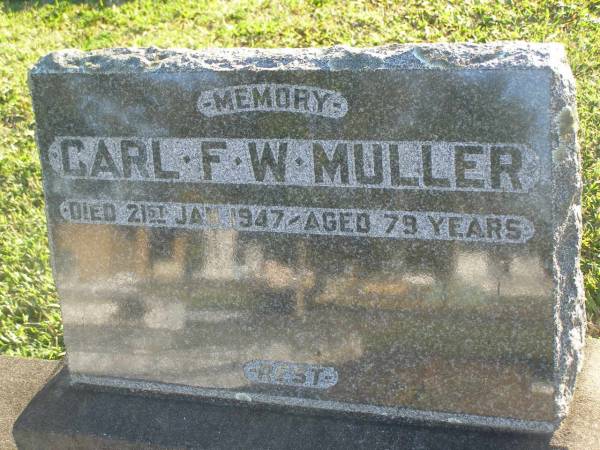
[(307, 405)]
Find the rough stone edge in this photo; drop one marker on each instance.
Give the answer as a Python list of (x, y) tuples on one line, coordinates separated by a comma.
[(521, 55), (569, 309)]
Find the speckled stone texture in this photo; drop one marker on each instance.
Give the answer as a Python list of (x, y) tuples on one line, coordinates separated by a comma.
[(391, 232)]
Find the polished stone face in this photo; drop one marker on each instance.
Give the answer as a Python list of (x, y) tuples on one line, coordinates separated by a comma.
[(334, 237)]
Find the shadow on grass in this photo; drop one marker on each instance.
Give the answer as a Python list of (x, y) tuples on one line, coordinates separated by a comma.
[(21, 5)]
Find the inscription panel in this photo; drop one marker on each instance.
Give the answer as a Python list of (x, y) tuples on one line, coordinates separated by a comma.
[(272, 97), (393, 165), (374, 241), (318, 221), (289, 374)]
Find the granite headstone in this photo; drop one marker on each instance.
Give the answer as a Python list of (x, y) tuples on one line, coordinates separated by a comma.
[(392, 231)]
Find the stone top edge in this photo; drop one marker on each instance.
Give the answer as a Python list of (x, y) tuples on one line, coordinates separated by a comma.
[(518, 55)]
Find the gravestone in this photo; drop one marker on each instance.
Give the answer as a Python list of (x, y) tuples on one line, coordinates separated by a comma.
[(389, 232)]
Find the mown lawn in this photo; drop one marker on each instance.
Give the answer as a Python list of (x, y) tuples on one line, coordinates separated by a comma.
[(30, 322)]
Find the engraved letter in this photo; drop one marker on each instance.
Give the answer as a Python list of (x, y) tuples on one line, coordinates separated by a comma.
[(320, 100), (268, 161), (103, 162), (363, 222), (493, 227), (241, 98), (183, 219), (513, 229), (436, 223), (461, 165), (322, 162), (511, 169), (263, 100), (225, 102), (397, 180), (158, 170), (428, 179), (282, 97), (359, 169), (65, 147), (301, 98), (454, 224), (209, 158), (74, 211), (474, 229), (139, 159), (329, 222)]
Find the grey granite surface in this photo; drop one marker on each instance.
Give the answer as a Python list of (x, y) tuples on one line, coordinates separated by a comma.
[(66, 416), (390, 231)]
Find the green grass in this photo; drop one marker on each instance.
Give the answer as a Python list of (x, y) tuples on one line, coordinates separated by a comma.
[(29, 312)]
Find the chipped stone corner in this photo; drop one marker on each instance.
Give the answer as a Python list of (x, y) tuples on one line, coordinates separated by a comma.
[(569, 312)]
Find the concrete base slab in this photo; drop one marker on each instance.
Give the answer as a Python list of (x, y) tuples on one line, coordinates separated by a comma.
[(20, 380), (63, 417)]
